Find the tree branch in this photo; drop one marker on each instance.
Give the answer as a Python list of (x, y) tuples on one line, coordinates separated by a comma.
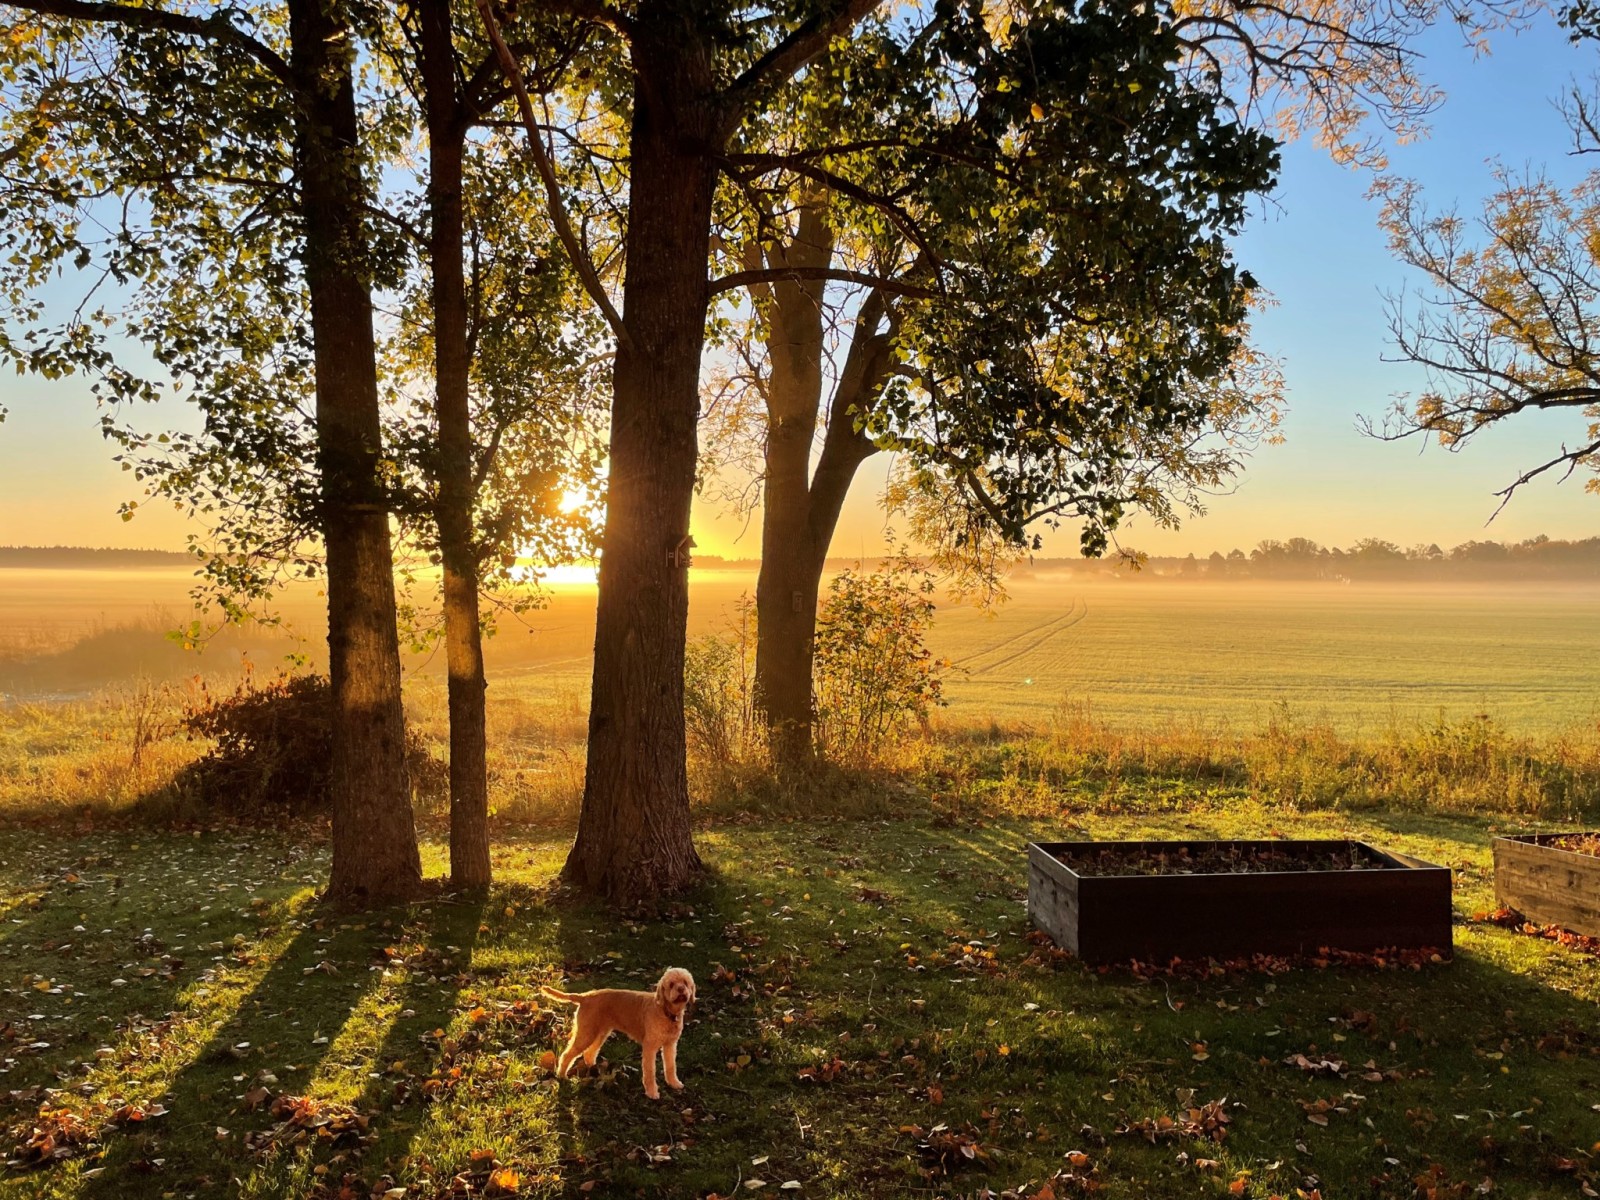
[(802, 45), (779, 162), (215, 28), (552, 186), (591, 10), (774, 274)]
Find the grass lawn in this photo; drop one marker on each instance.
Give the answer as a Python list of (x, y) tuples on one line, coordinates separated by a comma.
[(873, 1021)]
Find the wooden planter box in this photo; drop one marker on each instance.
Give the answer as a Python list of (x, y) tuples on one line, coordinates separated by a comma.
[(1405, 904), (1548, 885)]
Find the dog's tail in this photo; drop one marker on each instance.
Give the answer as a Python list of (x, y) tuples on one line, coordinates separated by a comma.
[(567, 997)]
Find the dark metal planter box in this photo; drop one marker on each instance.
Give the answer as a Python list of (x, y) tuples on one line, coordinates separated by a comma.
[(1548, 885), (1154, 918)]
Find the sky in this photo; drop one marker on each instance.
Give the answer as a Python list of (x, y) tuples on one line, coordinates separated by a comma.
[(1315, 246)]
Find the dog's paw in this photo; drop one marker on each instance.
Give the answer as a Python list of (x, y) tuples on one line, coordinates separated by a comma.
[(675, 1084), (653, 1093)]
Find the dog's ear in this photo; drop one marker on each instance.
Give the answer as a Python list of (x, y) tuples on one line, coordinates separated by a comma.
[(661, 989), (692, 988)]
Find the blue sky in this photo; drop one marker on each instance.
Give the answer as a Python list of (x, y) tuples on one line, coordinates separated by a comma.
[(1317, 248)]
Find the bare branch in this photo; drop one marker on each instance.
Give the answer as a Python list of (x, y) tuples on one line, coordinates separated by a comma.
[(552, 186)]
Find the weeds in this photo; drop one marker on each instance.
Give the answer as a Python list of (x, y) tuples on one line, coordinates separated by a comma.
[(122, 747)]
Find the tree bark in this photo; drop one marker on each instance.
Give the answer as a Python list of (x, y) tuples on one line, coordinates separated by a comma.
[(463, 634), (634, 839), (800, 508), (375, 857), (786, 588)]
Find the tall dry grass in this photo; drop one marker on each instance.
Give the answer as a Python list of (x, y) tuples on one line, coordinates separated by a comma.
[(124, 747), (106, 752), (1457, 765), (536, 739)]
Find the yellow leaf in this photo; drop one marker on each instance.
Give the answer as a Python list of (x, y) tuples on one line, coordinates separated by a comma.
[(1038, 111)]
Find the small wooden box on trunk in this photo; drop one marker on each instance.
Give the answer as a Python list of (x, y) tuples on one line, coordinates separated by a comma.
[(1546, 884), (1395, 902)]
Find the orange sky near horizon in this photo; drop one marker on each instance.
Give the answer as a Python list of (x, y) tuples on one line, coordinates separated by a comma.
[(58, 486)]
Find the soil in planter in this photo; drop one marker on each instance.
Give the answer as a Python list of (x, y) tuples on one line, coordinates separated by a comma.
[(1579, 843), (1220, 858)]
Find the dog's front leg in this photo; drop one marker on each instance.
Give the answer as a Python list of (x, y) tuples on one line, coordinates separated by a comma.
[(649, 1052), (669, 1060), (570, 1054)]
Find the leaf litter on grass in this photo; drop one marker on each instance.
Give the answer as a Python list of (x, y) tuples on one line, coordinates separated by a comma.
[(912, 1056)]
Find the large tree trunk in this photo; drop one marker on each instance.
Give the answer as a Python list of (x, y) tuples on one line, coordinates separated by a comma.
[(463, 635), (801, 508), (786, 589), (634, 838), (375, 855)]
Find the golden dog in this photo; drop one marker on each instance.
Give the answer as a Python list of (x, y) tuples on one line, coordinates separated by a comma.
[(653, 1019)]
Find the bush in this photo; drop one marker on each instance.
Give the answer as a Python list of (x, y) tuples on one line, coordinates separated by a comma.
[(273, 747), (873, 672)]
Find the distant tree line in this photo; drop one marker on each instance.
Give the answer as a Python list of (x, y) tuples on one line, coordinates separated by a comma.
[(87, 556), (1538, 559)]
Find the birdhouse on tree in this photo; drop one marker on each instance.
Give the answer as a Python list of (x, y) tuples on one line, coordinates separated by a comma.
[(679, 556)]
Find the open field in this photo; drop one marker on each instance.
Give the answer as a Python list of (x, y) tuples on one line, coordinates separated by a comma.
[(864, 988), (180, 1018), (1358, 658)]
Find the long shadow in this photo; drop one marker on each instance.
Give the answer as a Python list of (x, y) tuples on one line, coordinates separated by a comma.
[(110, 972), (438, 943), (1439, 1039), (278, 1037)]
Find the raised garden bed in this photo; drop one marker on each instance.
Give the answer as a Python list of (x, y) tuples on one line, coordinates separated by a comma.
[(1109, 902), (1551, 879)]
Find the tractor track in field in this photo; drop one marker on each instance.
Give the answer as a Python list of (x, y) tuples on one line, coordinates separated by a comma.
[(1040, 634)]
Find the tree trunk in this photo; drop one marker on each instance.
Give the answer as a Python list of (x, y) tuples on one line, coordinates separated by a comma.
[(786, 588), (634, 838), (463, 635), (799, 517), (375, 857)]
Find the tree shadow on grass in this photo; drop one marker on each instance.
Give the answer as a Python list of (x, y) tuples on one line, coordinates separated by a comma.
[(115, 957), (278, 1037), (902, 1023), (310, 1025)]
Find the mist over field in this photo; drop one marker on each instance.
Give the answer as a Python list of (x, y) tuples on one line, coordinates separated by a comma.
[(1131, 651)]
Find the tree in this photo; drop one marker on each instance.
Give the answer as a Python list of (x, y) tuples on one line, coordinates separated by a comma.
[(958, 94), (689, 76), (298, 103), (1294, 67), (1509, 321), (251, 470), (455, 97)]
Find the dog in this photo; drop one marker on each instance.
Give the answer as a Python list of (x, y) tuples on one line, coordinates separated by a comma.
[(653, 1019)]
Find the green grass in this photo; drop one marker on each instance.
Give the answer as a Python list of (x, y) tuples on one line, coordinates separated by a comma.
[(1360, 659), (849, 950)]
